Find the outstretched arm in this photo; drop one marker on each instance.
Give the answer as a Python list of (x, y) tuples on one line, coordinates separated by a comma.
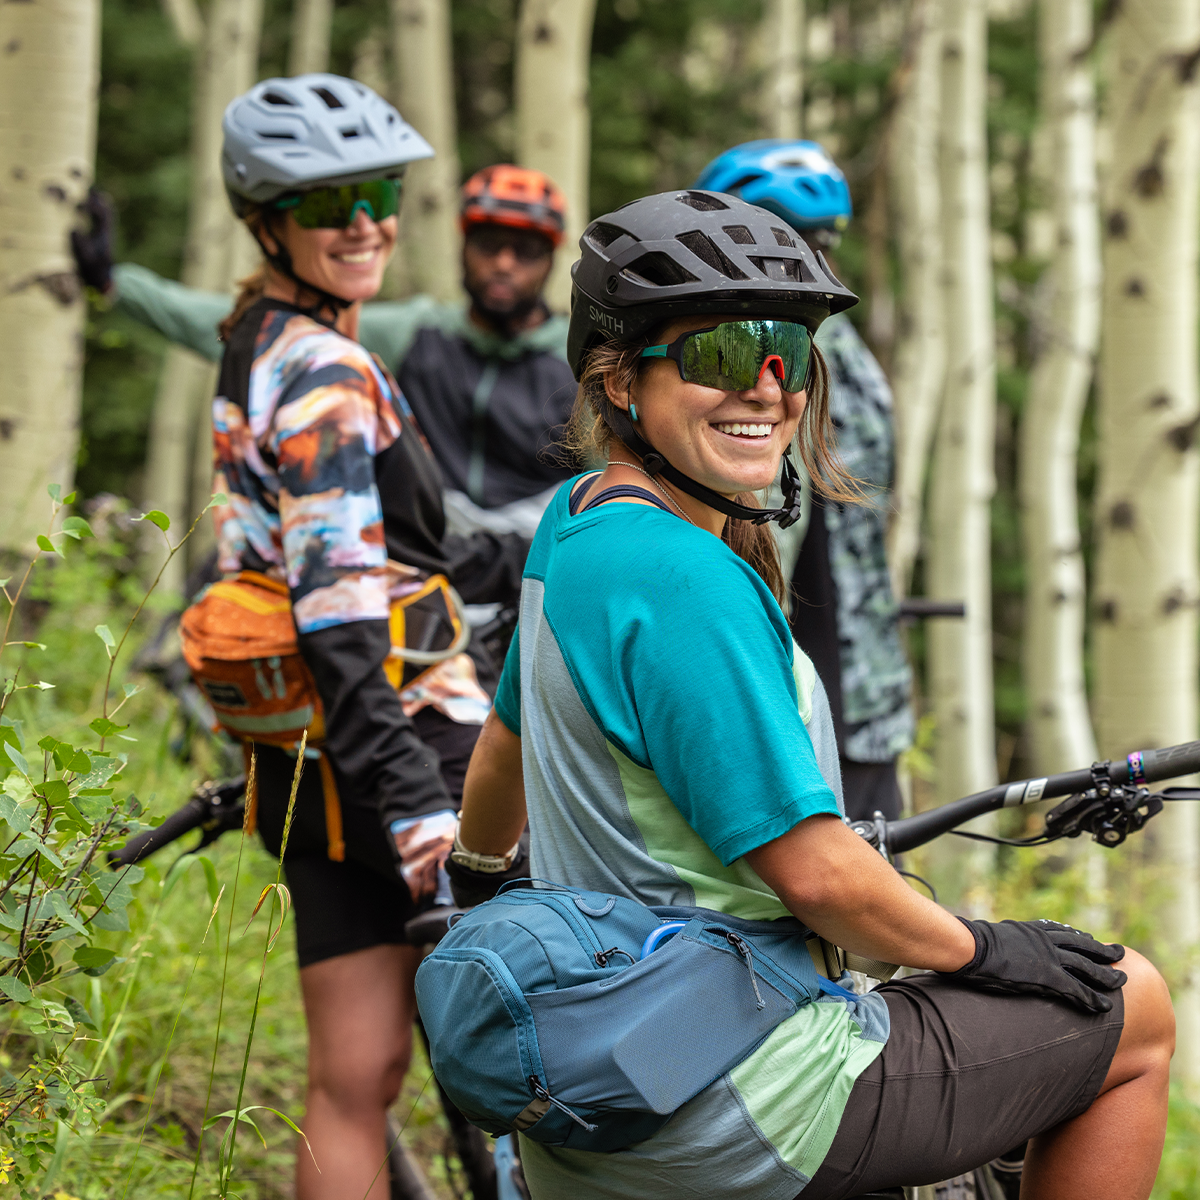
[(183, 315)]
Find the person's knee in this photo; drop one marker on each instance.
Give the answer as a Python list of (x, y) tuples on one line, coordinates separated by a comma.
[(352, 1077), (1148, 1038)]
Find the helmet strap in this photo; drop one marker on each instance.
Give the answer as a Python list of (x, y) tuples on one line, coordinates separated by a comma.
[(654, 463), (281, 260)]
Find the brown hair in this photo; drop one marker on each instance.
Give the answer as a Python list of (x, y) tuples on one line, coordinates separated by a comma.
[(250, 289), (589, 438)]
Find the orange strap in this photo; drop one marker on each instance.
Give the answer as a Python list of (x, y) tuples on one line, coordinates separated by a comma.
[(333, 811), (251, 821)]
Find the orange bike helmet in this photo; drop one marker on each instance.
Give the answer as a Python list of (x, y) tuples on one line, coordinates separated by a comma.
[(515, 196)]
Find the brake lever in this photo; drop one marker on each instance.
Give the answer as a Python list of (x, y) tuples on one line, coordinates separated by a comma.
[(1108, 813)]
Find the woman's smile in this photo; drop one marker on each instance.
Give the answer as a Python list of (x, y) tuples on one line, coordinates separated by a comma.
[(745, 431)]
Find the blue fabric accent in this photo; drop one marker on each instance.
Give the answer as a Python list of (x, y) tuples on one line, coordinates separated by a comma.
[(507, 704)]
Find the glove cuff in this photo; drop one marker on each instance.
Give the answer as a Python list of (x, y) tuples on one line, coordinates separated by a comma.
[(979, 949)]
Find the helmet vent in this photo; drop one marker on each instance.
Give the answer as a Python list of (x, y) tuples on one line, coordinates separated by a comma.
[(601, 235), (658, 270), (349, 133), (700, 202), (279, 98), (709, 253), (331, 101), (279, 137), (740, 234), (783, 239), (785, 270)]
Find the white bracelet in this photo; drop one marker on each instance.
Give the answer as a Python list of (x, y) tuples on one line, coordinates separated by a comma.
[(485, 864)]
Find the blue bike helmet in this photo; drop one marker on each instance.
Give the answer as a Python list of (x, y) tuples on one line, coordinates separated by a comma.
[(797, 181)]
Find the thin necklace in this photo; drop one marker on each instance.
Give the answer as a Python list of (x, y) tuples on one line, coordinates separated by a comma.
[(660, 487)]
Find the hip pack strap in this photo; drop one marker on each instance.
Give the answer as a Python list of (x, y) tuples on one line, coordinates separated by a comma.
[(333, 811)]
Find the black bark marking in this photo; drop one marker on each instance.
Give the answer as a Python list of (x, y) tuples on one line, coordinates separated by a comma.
[(543, 33), (1159, 400), (7, 428), (1106, 611), (1118, 224), (1150, 179), (1183, 437), (1121, 515), (1135, 287), (54, 192)]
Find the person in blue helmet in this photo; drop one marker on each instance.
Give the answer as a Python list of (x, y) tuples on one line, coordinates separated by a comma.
[(843, 614)]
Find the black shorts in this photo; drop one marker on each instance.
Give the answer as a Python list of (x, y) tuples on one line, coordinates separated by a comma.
[(867, 787), (965, 1076), (345, 906)]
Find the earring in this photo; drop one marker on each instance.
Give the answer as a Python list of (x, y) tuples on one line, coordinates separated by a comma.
[(633, 410)]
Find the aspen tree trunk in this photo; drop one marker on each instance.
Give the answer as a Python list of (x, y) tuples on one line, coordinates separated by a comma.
[(554, 43), (185, 20), (181, 429), (309, 49), (47, 145), (783, 84), (1059, 721), (430, 255), (960, 652), (919, 362), (1146, 585)]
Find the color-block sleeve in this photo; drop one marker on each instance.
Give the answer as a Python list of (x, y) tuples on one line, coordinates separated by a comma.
[(508, 695), (717, 707), (181, 314)]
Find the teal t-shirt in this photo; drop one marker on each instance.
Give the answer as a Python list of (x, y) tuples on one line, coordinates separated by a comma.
[(668, 727)]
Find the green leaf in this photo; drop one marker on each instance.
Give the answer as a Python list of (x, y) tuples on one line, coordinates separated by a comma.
[(210, 877), (114, 922), (13, 815), (93, 960), (34, 645), (77, 528), (44, 686), (8, 950), (5, 581), (15, 989), (18, 760), (55, 491), (71, 498), (48, 743), (179, 868), (49, 855), (105, 728), (55, 791), (155, 517), (44, 543), (80, 763), (105, 635), (218, 498), (79, 1014)]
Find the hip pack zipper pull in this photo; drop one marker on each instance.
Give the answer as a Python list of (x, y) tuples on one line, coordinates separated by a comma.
[(540, 1092), (739, 944)]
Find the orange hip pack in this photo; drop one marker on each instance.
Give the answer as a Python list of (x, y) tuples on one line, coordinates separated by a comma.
[(239, 639)]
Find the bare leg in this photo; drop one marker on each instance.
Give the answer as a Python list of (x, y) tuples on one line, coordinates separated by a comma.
[(360, 1010), (1112, 1151)]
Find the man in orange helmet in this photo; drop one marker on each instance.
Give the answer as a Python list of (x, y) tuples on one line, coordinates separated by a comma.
[(488, 380)]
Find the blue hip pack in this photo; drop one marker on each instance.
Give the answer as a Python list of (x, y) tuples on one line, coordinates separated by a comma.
[(545, 1017)]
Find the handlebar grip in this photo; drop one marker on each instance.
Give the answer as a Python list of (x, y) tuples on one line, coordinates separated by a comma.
[(1147, 766), (191, 816)]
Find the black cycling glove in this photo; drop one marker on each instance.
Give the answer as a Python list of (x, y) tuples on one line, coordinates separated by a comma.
[(93, 246), (1042, 958), (470, 888)]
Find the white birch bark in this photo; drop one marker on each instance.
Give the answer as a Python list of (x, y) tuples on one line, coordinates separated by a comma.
[(185, 20), (783, 57), (919, 363), (1146, 588), (429, 237), (309, 49), (554, 42), (179, 466), (47, 147), (959, 567), (1059, 722)]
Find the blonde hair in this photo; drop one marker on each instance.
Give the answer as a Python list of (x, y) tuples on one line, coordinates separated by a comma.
[(250, 289), (590, 438)]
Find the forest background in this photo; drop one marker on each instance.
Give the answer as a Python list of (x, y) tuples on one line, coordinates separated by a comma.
[(669, 84)]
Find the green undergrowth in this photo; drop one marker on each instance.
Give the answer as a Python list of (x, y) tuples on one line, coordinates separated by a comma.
[(139, 1009)]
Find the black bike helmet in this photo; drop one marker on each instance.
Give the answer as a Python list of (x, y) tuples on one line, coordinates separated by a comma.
[(683, 254)]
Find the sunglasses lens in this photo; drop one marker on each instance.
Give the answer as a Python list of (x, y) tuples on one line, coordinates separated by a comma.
[(336, 207), (731, 356)]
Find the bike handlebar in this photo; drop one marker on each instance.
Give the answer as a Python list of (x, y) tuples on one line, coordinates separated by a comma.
[(1140, 767), (191, 816)]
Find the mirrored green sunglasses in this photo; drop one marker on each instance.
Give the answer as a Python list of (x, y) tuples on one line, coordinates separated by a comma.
[(336, 207), (733, 355)]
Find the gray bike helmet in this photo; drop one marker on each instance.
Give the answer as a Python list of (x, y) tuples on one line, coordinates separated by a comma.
[(683, 254), (290, 135)]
